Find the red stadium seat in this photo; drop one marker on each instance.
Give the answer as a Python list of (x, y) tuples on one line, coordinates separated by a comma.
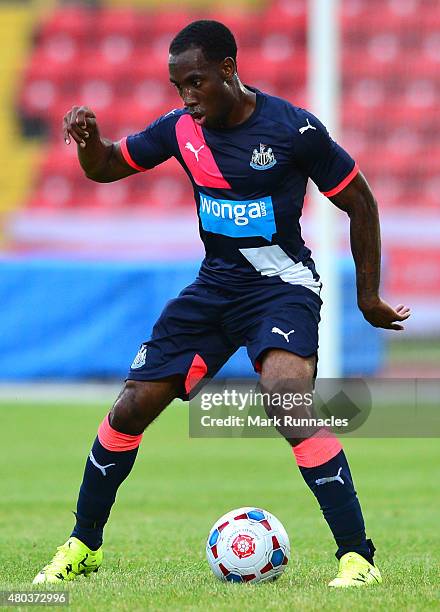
[(261, 66), (163, 194), (115, 60), (388, 189), (391, 57), (285, 16), (429, 18), (150, 61), (75, 20), (55, 192), (359, 63), (59, 50), (43, 66), (133, 116), (151, 95), (392, 114), (39, 98), (98, 93), (168, 22), (295, 93), (109, 196), (430, 190), (359, 17), (61, 159), (162, 188), (424, 65), (111, 60), (354, 140), (44, 100), (118, 21), (421, 94), (244, 24)]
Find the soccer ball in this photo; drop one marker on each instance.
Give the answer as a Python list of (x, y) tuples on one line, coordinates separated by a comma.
[(248, 545)]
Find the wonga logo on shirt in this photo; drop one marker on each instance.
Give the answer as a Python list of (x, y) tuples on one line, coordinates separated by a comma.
[(238, 218)]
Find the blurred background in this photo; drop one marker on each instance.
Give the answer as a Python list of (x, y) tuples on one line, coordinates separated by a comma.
[(86, 268)]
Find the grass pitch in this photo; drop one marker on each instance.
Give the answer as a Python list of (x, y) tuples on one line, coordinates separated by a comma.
[(154, 546)]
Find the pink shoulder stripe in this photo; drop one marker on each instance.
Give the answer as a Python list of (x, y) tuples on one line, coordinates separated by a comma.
[(343, 183), (126, 155), (197, 155)]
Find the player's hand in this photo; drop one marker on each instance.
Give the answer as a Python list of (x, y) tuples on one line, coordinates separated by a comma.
[(381, 314), (80, 124)]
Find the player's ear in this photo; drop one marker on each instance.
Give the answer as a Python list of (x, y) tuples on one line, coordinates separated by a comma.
[(228, 68)]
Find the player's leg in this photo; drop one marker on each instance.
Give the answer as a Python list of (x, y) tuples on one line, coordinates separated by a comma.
[(108, 464), (287, 319), (324, 467), (185, 347), (114, 452)]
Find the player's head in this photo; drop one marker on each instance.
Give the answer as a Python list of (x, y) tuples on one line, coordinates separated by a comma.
[(203, 67)]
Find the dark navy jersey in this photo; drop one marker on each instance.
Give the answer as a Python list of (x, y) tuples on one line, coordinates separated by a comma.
[(249, 184)]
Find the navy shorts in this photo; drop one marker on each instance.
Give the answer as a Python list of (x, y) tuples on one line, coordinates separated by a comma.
[(199, 330)]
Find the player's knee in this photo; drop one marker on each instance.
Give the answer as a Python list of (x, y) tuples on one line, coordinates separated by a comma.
[(287, 383), (289, 386), (279, 365), (137, 406), (287, 376), (127, 414)]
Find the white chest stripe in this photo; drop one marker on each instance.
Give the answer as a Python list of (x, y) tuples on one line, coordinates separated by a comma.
[(273, 261)]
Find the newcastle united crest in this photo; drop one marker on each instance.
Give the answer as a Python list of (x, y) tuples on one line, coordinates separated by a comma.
[(263, 159)]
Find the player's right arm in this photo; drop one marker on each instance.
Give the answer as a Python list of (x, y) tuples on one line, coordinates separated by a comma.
[(338, 177), (100, 158)]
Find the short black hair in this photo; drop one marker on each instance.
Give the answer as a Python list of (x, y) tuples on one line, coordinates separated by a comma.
[(214, 39)]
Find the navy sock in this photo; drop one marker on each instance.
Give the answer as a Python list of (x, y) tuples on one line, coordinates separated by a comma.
[(105, 470), (332, 485)]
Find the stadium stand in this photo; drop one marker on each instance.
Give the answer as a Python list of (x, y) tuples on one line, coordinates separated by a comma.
[(15, 174), (114, 59)]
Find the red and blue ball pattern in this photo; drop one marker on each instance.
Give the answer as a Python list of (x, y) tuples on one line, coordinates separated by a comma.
[(248, 545)]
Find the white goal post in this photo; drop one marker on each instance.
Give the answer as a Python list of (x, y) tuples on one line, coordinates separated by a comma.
[(323, 95)]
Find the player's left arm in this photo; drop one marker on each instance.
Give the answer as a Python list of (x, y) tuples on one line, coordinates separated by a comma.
[(357, 200)]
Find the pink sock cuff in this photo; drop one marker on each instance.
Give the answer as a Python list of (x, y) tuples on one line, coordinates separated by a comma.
[(114, 440), (318, 449)]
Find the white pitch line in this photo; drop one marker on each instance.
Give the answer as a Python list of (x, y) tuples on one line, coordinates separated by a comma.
[(59, 392)]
